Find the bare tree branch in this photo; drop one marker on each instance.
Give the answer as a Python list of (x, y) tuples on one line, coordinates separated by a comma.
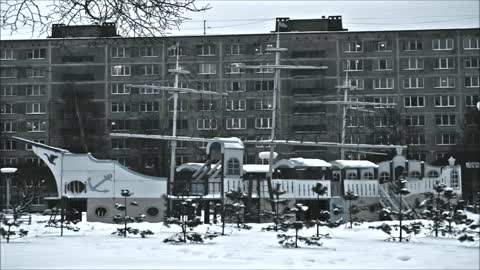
[(142, 18)]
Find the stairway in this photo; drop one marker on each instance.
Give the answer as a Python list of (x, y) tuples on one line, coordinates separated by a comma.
[(388, 199)]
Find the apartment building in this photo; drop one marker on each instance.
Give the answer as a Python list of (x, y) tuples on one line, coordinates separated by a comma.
[(71, 90)]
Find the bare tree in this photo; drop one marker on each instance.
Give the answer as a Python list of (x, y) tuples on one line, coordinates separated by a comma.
[(132, 17)]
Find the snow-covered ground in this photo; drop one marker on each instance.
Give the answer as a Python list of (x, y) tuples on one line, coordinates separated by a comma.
[(358, 248)]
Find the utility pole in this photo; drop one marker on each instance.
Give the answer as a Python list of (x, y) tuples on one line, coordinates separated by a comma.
[(204, 27)]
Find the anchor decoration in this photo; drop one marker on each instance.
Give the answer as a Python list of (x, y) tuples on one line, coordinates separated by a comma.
[(107, 177), (51, 158)]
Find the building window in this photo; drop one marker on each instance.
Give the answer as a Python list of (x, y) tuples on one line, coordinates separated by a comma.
[(266, 85), (368, 175), (446, 139), (121, 70), (384, 46), (385, 100), (413, 83), (119, 143), (263, 48), (37, 54), (206, 124), (444, 101), (232, 69), (442, 44), (384, 177), (384, 64), (148, 91), (472, 43), (149, 69), (471, 101), (101, 211), (353, 65), (234, 86), (36, 73), (6, 108), (356, 99), (153, 211), (120, 124), (181, 124), (414, 120), (414, 101), (263, 123), (147, 52), (412, 45), (359, 84), (36, 126), (7, 54), (207, 69), (414, 64), (149, 106), (182, 105), (444, 82), (120, 89), (356, 121), (236, 123), (454, 177), (206, 86), (353, 46), (8, 162), (35, 90), (120, 107), (383, 83), (8, 73), (206, 49), (7, 126), (264, 68), (236, 105), (445, 120), (444, 63), (472, 81), (7, 91), (174, 51), (382, 121), (120, 52), (416, 139), (263, 104), (7, 145), (351, 175), (207, 105), (233, 49), (233, 167), (433, 174), (35, 108), (472, 62), (75, 186)]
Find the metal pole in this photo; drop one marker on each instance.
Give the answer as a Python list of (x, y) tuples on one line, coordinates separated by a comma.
[(174, 129), (344, 124), (9, 179)]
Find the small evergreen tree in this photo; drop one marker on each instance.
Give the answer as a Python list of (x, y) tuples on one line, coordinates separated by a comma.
[(56, 223), (187, 222), (411, 229), (351, 196), (125, 219), (11, 223), (235, 207), (275, 214), (324, 216), (290, 241)]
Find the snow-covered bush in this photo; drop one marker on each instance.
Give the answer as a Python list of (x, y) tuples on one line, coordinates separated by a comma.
[(125, 219), (235, 207), (278, 218), (7, 230), (187, 222)]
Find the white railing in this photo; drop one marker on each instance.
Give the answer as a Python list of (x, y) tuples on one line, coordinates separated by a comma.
[(295, 188), (422, 185), (363, 188)]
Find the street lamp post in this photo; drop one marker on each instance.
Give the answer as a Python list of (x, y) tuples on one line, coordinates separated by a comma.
[(8, 172)]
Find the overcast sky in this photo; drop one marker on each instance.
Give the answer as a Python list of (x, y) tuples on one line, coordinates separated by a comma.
[(251, 16)]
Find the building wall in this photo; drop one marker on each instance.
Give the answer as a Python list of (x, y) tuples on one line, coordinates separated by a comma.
[(80, 89)]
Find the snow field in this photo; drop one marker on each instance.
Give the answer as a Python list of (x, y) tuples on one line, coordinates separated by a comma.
[(93, 247)]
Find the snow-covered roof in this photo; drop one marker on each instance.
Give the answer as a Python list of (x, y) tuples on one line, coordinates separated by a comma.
[(189, 167), (354, 164), (255, 168), (302, 162), (231, 143)]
